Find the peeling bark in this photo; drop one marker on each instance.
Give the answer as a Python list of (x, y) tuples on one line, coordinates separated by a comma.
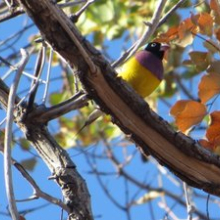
[(181, 154)]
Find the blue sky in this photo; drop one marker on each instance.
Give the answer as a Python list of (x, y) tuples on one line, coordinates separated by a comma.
[(102, 206)]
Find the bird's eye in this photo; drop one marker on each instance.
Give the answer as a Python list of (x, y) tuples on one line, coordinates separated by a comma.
[(153, 45)]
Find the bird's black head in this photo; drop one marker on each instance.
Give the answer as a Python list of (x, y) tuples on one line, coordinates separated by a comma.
[(158, 49)]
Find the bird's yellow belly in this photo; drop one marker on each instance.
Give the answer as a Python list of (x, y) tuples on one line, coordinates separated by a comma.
[(141, 79)]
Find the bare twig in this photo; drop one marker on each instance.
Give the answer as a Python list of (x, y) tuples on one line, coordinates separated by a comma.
[(150, 31), (37, 191), (152, 26), (8, 138), (71, 3), (168, 210), (132, 179), (14, 68), (48, 76), (15, 37), (189, 205), (90, 119), (127, 198), (37, 73), (167, 15), (9, 3), (101, 183), (182, 86), (207, 206), (47, 114), (76, 16), (8, 15)]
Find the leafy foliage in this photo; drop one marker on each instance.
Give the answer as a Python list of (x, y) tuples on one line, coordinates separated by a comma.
[(184, 116), (203, 25), (189, 92)]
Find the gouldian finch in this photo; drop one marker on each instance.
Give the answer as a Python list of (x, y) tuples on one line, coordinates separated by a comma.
[(144, 71)]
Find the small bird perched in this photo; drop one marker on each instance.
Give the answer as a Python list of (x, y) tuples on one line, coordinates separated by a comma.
[(144, 71)]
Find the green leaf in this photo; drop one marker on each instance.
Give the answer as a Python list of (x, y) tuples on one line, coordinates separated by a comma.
[(29, 164), (56, 98), (24, 143), (168, 86)]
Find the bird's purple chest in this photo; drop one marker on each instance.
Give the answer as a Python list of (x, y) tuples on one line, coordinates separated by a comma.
[(150, 62)]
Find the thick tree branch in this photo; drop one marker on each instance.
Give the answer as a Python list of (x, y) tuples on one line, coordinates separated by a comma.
[(64, 171), (181, 154), (44, 115)]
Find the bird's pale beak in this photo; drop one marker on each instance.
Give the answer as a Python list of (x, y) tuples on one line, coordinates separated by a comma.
[(164, 47)]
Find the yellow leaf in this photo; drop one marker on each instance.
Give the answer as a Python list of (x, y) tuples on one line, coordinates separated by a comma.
[(200, 59), (217, 33), (213, 5), (209, 86), (148, 197), (217, 150), (187, 113), (213, 132), (168, 36), (205, 23), (185, 30), (186, 26), (29, 164)]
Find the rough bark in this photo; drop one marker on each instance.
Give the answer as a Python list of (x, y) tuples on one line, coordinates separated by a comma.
[(181, 154), (64, 172)]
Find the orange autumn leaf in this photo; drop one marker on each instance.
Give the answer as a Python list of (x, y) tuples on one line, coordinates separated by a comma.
[(217, 33), (205, 23), (217, 143), (200, 59), (185, 30), (209, 86), (187, 26), (217, 150), (215, 11), (213, 5), (168, 36), (21, 217), (187, 113), (206, 144), (213, 132), (210, 146), (198, 56)]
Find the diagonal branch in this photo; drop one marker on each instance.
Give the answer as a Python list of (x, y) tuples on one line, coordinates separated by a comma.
[(44, 115), (37, 73), (181, 154), (151, 28)]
